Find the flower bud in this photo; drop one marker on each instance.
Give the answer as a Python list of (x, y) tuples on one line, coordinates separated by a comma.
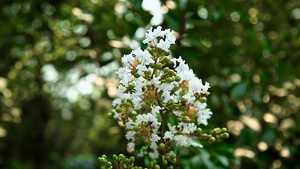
[(135, 74), (171, 72), (179, 119), (152, 65), (166, 69), (110, 115), (165, 162), (170, 79), (199, 131), (186, 119), (126, 104), (119, 109), (156, 166), (122, 157), (225, 135), (166, 53), (177, 78), (162, 146), (203, 100), (224, 130), (217, 130), (132, 159), (158, 65), (115, 157), (212, 140)]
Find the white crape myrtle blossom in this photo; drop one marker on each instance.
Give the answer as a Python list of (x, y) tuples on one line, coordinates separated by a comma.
[(160, 99)]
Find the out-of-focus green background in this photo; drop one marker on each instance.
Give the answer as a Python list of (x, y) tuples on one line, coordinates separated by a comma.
[(57, 78)]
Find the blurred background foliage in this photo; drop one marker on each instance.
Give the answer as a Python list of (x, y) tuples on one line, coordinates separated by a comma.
[(57, 78)]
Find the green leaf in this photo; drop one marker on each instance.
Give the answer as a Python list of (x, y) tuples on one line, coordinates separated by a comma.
[(223, 159)]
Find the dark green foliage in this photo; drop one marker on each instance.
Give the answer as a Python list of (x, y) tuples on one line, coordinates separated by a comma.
[(247, 50)]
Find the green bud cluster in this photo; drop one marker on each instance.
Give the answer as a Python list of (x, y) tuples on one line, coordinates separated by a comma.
[(105, 163)]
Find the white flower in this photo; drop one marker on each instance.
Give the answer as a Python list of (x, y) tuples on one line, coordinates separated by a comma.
[(154, 137), (168, 135), (187, 128), (130, 135), (155, 110), (203, 115), (177, 113), (130, 124), (131, 145)]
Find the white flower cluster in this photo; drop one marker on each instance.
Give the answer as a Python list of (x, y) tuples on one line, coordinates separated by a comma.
[(160, 100)]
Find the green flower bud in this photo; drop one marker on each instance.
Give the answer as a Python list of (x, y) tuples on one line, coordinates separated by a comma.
[(224, 130), (179, 119), (156, 166), (212, 140), (115, 157), (199, 131), (136, 75), (166, 53), (170, 79), (186, 119), (225, 135), (119, 109), (132, 159), (165, 162), (152, 65), (177, 78), (110, 115), (158, 65), (162, 146), (202, 99), (170, 167), (166, 69), (144, 148), (171, 72), (121, 156), (217, 130), (137, 110), (108, 164), (126, 104)]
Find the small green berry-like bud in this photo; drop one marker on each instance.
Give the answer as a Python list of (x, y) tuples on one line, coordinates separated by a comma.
[(110, 115), (122, 157), (165, 162), (186, 119), (199, 131), (171, 72), (156, 166), (179, 119), (118, 109), (166, 69), (136, 75), (225, 135), (144, 148), (203, 100), (108, 164), (166, 53), (162, 146), (127, 104), (158, 65), (170, 167), (212, 140), (152, 65), (217, 130), (132, 159), (224, 130), (115, 157), (170, 79), (177, 78)]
